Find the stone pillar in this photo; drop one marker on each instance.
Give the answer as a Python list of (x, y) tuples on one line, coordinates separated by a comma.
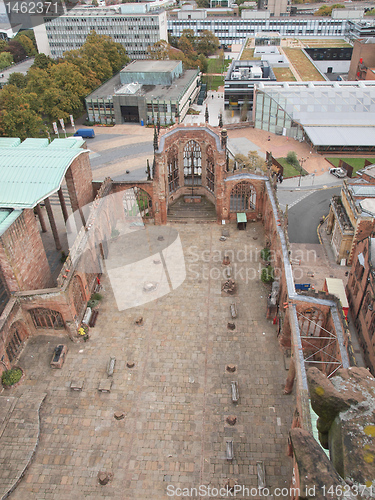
[(41, 218), (291, 376), (63, 205), (52, 224)]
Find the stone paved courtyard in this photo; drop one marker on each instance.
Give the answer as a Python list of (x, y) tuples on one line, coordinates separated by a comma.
[(177, 396)]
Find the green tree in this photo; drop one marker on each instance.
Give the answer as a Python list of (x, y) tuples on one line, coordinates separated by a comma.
[(19, 80), (207, 43), (190, 35), (185, 45), (292, 159), (42, 61), (203, 63), (203, 4), (27, 44), (17, 119), (326, 10), (6, 59)]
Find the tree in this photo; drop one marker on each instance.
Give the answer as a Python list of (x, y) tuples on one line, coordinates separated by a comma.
[(256, 162), (292, 159), (326, 10), (244, 110), (203, 63), (6, 59), (17, 50), (207, 43), (160, 50), (27, 44), (185, 45), (17, 119), (190, 35), (19, 80), (203, 4), (42, 61)]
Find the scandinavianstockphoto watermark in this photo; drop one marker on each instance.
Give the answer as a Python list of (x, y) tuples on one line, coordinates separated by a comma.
[(208, 491), (246, 263)]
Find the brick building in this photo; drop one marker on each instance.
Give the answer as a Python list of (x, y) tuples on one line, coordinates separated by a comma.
[(363, 59), (351, 218), (361, 294), (30, 299)]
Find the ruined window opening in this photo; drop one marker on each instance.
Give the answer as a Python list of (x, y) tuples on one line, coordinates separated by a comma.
[(46, 318), (210, 170), (243, 197), (173, 173), (192, 164)]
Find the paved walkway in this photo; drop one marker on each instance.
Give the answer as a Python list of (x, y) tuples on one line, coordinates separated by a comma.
[(177, 396)]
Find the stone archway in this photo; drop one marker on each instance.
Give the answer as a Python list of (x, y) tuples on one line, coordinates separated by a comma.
[(46, 318)]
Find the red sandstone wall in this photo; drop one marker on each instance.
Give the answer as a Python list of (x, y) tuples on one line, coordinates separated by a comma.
[(79, 181), (22, 256)]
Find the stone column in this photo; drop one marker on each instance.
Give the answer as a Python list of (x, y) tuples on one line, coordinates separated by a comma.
[(63, 205), (41, 218), (52, 224)]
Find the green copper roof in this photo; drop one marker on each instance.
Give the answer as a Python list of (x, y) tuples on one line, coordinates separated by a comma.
[(29, 175), (7, 217), (34, 143), (9, 142), (69, 143)]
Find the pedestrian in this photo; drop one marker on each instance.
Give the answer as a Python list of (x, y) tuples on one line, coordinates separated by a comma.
[(212, 96), (269, 137)]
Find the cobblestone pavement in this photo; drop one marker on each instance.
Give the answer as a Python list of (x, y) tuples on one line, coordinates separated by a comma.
[(178, 394)]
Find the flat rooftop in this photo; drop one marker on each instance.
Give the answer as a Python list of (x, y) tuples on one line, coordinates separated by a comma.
[(150, 66), (160, 92)]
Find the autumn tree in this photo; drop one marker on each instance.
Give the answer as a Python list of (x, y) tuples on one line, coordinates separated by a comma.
[(207, 43), (27, 44), (16, 49), (159, 50), (6, 59), (19, 80), (17, 119)]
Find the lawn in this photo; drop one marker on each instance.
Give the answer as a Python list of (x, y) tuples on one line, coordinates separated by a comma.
[(213, 82), (284, 75), (323, 42), (248, 55), (356, 163), (289, 170), (216, 65), (301, 63)]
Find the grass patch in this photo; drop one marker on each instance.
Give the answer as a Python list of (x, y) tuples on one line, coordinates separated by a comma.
[(322, 42), (248, 55), (305, 68), (284, 75), (289, 170), (213, 82), (216, 65), (356, 163)]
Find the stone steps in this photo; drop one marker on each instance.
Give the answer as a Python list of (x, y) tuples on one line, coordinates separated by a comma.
[(192, 212)]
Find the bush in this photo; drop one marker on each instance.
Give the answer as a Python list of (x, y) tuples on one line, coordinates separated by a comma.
[(11, 377), (265, 254), (96, 296), (267, 274)]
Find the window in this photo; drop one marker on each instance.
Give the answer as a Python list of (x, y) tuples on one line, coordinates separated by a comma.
[(173, 174), (46, 318), (243, 197), (192, 164), (16, 336), (210, 174)]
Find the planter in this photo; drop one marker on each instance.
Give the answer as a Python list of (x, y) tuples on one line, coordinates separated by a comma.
[(19, 382)]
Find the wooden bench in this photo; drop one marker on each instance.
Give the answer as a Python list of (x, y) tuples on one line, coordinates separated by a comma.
[(229, 450), (233, 311), (235, 393)]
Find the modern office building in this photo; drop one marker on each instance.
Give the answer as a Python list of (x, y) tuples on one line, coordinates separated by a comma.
[(135, 26), (240, 80), (143, 92), (235, 30), (331, 116)]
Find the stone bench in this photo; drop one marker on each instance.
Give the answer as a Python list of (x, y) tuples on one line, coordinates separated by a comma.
[(233, 311), (58, 357), (111, 366), (77, 385), (235, 392), (105, 385)]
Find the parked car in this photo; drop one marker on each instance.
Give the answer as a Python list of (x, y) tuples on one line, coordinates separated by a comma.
[(338, 172)]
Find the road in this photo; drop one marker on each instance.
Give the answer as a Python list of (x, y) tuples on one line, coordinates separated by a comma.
[(304, 216)]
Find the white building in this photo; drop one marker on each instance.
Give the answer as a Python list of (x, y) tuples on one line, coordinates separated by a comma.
[(135, 26)]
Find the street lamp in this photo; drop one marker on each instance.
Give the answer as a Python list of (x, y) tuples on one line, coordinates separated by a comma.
[(301, 162)]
